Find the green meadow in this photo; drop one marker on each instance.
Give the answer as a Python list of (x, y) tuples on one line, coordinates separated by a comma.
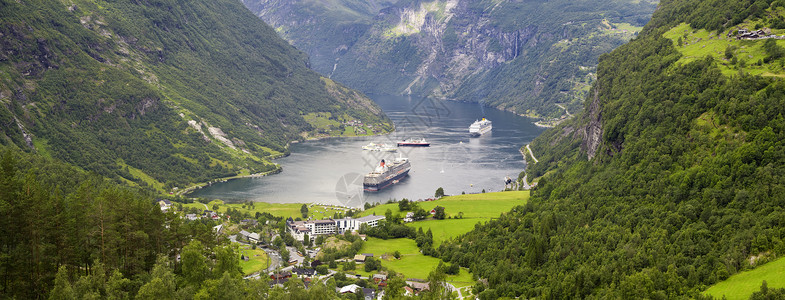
[(257, 259), (475, 208), (742, 285), (486, 205), (412, 263), (697, 44)]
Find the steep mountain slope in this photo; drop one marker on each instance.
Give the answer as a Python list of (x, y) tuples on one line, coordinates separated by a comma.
[(161, 93), (522, 56), (672, 179)]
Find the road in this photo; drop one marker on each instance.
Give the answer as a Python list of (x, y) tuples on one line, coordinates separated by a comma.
[(532, 153)]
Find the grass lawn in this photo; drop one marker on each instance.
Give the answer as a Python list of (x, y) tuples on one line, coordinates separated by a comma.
[(412, 264), (257, 260), (284, 210), (742, 285)]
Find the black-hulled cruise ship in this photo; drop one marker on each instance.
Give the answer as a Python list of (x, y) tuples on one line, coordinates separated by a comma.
[(386, 174)]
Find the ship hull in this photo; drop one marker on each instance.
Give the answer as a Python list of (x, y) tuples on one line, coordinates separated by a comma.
[(381, 185), (414, 145), (480, 132)]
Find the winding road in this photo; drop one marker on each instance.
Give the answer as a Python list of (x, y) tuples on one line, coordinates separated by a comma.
[(532, 153)]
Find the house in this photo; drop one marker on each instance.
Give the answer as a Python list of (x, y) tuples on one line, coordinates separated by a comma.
[(304, 272), (249, 222), (285, 274), (418, 286), (352, 288), (433, 211), (359, 258), (254, 238), (210, 214), (368, 255), (409, 217), (408, 291), (369, 293), (379, 277), (244, 234), (165, 204), (280, 278), (218, 228), (191, 217)]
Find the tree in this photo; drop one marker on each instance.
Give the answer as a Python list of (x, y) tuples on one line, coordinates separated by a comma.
[(439, 215), (62, 288), (372, 264), (439, 192), (322, 269), (194, 265), (397, 254), (403, 205), (304, 211), (306, 240), (285, 255)]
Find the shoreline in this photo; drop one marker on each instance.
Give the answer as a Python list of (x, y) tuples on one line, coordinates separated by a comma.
[(184, 192)]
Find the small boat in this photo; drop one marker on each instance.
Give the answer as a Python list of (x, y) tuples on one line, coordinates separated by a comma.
[(379, 147), (414, 143)]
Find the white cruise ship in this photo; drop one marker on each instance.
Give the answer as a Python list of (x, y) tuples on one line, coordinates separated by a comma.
[(480, 127)]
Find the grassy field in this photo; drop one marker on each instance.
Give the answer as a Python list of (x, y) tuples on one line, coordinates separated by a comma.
[(476, 208), (487, 205), (697, 44), (412, 264), (742, 285), (446, 229), (284, 210), (257, 260)]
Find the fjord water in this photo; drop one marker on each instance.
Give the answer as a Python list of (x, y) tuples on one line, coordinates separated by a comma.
[(330, 171)]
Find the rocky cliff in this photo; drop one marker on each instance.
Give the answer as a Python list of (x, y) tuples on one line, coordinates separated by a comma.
[(520, 56)]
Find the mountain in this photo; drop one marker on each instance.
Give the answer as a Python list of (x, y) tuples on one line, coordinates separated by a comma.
[(162, 93), (670, 180), (534, 58)]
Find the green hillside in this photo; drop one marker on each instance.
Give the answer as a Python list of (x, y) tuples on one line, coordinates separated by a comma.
[(670, 181), (160, 94)]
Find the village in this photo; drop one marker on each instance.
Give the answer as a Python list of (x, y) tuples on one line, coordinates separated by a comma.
[(316, 248)]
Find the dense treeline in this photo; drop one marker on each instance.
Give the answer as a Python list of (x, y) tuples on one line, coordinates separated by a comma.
[(111, 88), (686, 186), (56, 216)]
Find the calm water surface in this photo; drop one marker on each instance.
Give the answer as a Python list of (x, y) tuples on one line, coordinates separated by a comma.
[(330, 171)]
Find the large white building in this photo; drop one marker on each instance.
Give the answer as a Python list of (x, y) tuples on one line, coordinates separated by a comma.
[(298, 229)]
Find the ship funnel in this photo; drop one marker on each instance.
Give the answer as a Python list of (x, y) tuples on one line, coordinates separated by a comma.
[(382, 164)]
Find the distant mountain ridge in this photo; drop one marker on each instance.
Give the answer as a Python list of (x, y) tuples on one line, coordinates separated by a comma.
[(160, 93), (523, 57)]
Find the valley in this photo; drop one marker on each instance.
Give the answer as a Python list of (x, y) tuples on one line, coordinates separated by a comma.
[(138, 141)]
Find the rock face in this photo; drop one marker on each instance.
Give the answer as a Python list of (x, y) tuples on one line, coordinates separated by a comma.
[(519, 56), (592, 132)]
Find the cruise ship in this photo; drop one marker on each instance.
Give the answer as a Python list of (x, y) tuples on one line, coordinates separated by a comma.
[(386, 174), (480, 127)]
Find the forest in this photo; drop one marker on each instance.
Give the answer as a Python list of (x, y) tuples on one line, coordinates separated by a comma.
[(682, 187)]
